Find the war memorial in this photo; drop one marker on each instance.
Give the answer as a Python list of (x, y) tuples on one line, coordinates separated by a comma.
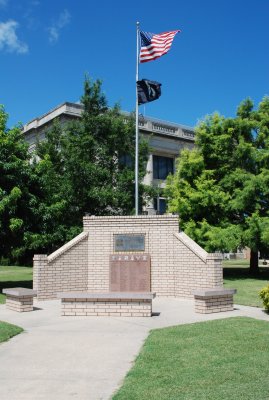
[(118, 264)]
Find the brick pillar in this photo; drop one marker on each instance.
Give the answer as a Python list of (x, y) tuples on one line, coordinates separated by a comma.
[(215, 269), (40, 263)]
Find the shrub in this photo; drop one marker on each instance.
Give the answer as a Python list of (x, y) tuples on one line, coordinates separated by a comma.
[(264, 294)]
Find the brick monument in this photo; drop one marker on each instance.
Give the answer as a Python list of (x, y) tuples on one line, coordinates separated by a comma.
[(102, 258)]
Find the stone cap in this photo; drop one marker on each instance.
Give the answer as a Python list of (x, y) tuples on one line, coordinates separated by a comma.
[(20, 292), (217, 291), (192, 245), (67, 246), (108, 295)]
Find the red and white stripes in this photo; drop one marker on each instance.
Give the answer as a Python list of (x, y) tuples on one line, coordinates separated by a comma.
[(155, 45)]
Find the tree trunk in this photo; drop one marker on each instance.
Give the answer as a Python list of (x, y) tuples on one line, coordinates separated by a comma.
[(254, 263)]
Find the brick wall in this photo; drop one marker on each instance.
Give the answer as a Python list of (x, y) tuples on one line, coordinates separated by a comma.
[(194, 267), (158, 231), (178, 264), (107, 308), (64, 270), (19, 304)]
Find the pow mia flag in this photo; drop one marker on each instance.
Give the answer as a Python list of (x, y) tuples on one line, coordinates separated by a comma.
[(148, 91)]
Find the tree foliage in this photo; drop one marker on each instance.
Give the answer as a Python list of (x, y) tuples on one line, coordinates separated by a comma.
[(82, 166), (86, 166), (17, 192), (221, 188)]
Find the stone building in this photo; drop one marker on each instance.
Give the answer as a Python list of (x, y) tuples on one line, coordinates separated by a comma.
[(166, 140)]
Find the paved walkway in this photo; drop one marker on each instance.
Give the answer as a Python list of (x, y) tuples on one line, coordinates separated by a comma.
[(84, 358)]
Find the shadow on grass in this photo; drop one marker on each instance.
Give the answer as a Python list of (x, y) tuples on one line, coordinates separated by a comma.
[(13, 284), (234, 273)]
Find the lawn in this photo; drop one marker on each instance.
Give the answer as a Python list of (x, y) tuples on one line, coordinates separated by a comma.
[(236, 276), (15, 277), (8, 330), (221, 359)]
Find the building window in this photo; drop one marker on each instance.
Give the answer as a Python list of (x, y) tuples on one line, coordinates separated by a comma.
[(160, 205), (162, 167)]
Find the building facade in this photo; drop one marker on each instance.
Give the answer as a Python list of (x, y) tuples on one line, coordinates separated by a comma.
[(166, 140)]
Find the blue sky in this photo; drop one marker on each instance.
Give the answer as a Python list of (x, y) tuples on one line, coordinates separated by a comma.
[(220, 57)]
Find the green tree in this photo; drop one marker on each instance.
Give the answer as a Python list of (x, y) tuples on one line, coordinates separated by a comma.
[(87, 166), (99, 156), (17, 192), (221, 188), (54, 223)]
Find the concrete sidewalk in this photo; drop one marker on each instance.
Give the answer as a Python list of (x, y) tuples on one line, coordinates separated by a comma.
[(84, 358)]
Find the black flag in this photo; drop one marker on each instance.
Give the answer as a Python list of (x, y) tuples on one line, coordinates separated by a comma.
[(148, 91)]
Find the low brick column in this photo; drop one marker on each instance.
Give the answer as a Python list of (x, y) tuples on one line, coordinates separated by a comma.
[(107, 304), (213, 300), (19, 299)]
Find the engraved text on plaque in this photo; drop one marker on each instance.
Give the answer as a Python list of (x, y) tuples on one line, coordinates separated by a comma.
[(129, 272)]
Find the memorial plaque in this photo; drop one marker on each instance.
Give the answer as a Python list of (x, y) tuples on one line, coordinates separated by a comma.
[(129, 242), (129, 272)]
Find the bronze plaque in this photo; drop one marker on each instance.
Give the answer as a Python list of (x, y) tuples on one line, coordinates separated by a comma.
[(130, 242), (129, 272)]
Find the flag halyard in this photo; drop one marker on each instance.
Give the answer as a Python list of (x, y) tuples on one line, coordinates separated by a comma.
[(154, 45)]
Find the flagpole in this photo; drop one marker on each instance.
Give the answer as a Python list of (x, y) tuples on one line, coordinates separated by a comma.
[(136, 123)]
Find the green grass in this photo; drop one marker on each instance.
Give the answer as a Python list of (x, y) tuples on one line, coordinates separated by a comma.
[(217, 360), (236, 276), (15, 277), (8, 330)]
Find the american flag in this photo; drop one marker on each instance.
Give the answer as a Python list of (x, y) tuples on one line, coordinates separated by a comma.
[(155, 45)]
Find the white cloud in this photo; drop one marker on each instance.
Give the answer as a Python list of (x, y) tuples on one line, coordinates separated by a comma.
[(9, 40), (31, 21), (56, 27)]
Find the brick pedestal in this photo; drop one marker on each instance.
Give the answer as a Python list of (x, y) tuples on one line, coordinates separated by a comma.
[(19, 299), (213, 300)]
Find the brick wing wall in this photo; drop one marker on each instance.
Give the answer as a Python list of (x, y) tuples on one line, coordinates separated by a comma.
[(63, 271), (194, 267)]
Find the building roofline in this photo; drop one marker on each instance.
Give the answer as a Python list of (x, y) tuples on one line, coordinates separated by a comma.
[(54, 109), (162, 127), (51, 114), (162, 121)]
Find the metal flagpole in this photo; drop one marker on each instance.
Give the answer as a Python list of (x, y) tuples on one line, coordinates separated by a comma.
[(136, 122)]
